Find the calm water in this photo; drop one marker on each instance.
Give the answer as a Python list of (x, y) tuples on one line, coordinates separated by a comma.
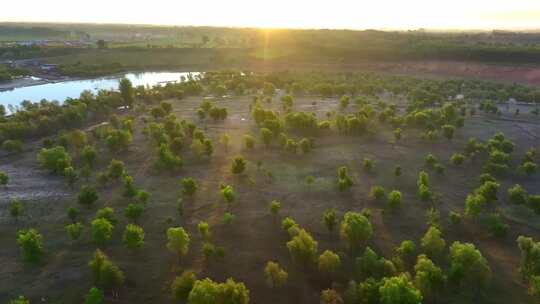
[(62, 90)]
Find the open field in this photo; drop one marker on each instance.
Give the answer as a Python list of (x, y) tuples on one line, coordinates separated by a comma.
[(256, 237)]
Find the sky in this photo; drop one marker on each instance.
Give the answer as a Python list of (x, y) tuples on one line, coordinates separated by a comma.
[(350, 14)]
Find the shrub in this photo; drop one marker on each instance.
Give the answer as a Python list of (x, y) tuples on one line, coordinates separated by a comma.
[(189, 186), (31, 243), (344, 181), (275, 275), (439, 168), (4, 178), (377, 192), (368, 164), (249, 142), (266, 136), (455, 218), (330, 296), (275, 206), (329, 219), (72, 213), (238, 165), (70, 175), (527, 168), (204, 230), (88, 195), (15, 208), (228, 194), (54, 159), (495, 225), (228, 218), (12, 145), (116, 169), (430, 160), (448, 131), (305, 145), (517, 195), (394, 199), (118, 140)]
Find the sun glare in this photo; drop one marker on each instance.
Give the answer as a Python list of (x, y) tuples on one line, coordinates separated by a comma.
[(381, 14)]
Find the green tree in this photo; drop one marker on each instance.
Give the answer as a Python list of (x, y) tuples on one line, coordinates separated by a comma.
[(133, 237), (457, 159), (106, 274), (303, 248), (54, 159), (275, 275), (183, 284), (329, 263), (74, 230), (31, 243), (432, 243), (468, 266), (108, 214), (355, 229), (330, 296), (134, 211), (429, 278), (116, 169), (127, 92), (399, 290), (88, 195), (94, 296), (178, 241), (101, 231)]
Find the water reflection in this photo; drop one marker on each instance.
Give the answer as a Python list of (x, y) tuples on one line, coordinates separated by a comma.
[(62, 90)]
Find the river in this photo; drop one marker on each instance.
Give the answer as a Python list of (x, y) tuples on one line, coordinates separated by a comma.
[(72, 88)]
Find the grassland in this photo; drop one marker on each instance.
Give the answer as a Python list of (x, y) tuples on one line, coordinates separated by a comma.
[(256, 236)]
